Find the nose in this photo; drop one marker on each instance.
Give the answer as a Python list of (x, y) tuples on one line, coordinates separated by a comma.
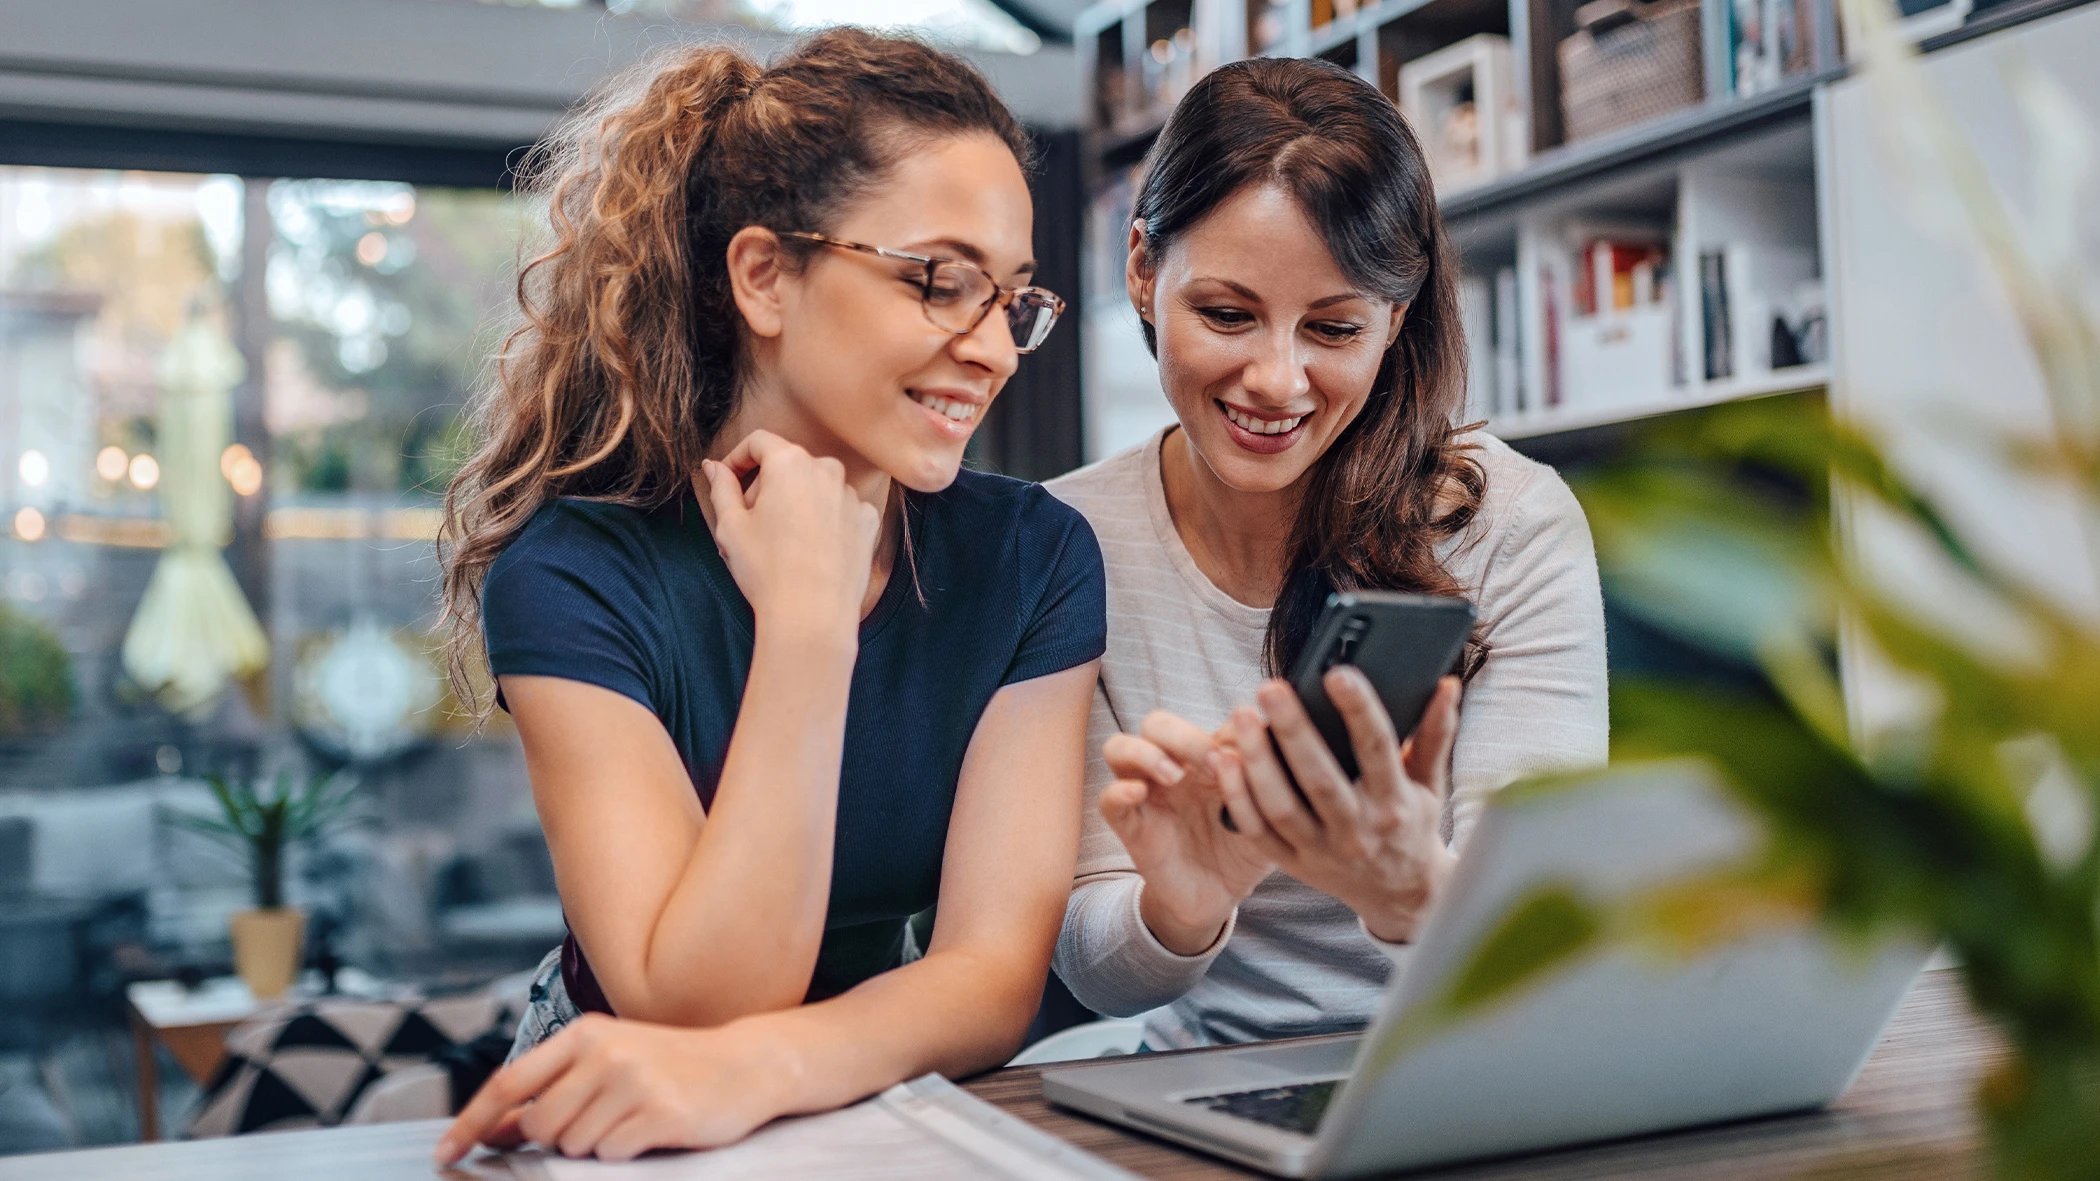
[(1276, 371), (989, 345)]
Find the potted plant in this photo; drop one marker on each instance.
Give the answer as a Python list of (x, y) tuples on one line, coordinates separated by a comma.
[(36, 678), (1968, 815), (269, 938)]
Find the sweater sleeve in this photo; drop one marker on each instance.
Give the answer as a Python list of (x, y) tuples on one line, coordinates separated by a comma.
[(1105, 954), (1539, 704)]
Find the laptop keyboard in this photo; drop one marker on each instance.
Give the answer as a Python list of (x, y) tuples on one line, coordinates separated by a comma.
[(1297, 1107)]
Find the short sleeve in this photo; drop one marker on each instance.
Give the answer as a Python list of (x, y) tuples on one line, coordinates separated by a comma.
[(1068, 623), (575, 596)]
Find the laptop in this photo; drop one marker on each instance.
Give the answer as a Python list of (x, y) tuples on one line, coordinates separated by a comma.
[(1625, 1040)]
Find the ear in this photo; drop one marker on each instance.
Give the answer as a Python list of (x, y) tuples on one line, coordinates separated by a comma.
[(755, 278), (1392, 332), (1137, 272)]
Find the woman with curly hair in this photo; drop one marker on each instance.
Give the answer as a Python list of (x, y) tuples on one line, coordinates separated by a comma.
[(784, 675)]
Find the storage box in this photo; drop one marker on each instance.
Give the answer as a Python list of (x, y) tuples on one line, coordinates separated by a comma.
[(1629, 62), (1617, 359), (1462, 103)]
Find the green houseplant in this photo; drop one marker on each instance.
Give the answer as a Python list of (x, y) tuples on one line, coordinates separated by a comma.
[(1967, 818), (36, 678), (267, 939)]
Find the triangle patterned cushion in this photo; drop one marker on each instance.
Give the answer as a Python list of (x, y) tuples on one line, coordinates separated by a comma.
[(304, 1065)]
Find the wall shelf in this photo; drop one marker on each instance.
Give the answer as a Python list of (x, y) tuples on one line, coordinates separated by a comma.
[(1799, 379), (1558, 169)]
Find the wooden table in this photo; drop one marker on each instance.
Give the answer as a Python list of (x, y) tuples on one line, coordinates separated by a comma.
[(191, 1022), (1908, 1117)]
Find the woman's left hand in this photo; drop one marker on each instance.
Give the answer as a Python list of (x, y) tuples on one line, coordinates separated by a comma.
[(616, 1089), (1375, 843)]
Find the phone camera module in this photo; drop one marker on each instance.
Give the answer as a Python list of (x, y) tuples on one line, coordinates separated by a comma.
[(1351, 639)]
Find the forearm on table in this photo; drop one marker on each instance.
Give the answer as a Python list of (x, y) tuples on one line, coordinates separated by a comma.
[(1112, 964), (767, 844), (954, 1012)]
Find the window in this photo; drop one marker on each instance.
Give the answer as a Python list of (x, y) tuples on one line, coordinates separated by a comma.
[(361, 314)]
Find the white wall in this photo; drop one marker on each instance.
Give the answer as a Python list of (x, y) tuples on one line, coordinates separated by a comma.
[(447, 72)]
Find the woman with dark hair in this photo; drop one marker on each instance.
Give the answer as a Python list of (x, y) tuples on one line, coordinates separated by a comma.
[(784, 674), (1292, 276)]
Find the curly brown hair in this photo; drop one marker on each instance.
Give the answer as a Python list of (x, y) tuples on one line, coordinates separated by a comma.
[(1398, 481), (629, 355)]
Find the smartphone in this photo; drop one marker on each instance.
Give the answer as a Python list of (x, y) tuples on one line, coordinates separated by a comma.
[(1403, 643)]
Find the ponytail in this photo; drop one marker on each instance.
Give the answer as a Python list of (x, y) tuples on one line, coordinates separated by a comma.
[(629, 354)]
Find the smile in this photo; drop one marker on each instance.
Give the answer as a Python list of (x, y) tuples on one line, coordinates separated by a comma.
[(948, 408), (1263, 426), (1262, 436)]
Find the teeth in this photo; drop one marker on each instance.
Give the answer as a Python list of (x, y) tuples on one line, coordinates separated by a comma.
[(946, 407), (1248, 422)]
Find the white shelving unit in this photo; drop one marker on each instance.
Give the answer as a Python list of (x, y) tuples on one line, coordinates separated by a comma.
[(1729, 189)]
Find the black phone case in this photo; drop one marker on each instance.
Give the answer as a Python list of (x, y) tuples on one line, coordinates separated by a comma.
[(1403, 643)]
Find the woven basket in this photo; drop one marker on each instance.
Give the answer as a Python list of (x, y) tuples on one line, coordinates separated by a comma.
[(1629, 62)]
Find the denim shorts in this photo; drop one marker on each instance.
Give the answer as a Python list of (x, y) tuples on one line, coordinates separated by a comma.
[(547, 1007)]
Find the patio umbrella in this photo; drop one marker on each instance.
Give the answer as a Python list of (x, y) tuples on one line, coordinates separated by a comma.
[(194, 630)]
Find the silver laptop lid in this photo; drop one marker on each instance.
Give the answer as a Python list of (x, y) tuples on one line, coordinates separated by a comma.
[(1622, 1040)]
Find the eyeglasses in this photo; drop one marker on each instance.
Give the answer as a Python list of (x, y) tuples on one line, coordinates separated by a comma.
[(957, 296)]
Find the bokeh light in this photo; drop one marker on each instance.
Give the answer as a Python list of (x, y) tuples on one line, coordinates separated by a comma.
[(29, 525), (145, 471), (111, 463), (241, 469), (34, 468)]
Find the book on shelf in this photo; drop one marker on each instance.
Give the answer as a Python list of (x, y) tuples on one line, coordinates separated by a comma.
[(1618, 344), (1761, 309), (1618, 277), (1476, 313), (1549, 334), (1714, 328), (1509, 356)]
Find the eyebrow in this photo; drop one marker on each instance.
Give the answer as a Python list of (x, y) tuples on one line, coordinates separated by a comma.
[(1247, 293), (957, 248)]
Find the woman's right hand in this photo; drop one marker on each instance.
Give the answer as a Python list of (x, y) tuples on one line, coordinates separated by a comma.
[(799, 540), (615, 1089), (1165, 806)]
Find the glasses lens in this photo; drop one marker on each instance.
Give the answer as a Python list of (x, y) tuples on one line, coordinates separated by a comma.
[(955, 294), (1031, 315)]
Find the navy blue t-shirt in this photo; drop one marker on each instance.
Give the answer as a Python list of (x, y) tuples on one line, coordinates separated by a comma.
[(640, 602)]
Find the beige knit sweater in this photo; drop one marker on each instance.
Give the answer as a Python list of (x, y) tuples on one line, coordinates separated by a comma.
[(1295, 961)]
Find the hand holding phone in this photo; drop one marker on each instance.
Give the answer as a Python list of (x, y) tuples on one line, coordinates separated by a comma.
[(1403, 643)]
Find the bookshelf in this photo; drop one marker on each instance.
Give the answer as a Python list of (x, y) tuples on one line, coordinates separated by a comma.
[(1701, 204)]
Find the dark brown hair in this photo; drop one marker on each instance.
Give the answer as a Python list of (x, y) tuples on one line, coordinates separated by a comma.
[(630, 352), (1396, 482)]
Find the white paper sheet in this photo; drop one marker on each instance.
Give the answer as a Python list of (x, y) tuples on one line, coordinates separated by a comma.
[(924, 1130)]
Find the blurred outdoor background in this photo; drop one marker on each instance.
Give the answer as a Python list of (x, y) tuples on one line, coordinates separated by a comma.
[(347, 321)]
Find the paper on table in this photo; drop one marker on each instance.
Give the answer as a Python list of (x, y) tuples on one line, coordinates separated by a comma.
[(924, 1130), (868, 1140)]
